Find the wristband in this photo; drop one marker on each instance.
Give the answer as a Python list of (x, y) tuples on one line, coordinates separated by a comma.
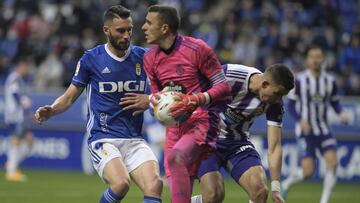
[(275, 186)]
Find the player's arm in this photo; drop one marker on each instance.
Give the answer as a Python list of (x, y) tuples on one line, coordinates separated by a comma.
[(275, 160), (60, 105), (210, 67), (334, 101), (274, 116)]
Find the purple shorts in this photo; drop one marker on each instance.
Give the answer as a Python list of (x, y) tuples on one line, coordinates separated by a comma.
[(235, 156), (307, 144)]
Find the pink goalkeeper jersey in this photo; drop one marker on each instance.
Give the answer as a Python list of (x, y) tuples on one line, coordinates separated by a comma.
[(191, 67)]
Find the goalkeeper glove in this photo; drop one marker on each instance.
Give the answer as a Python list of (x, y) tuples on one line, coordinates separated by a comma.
[(187, 104)]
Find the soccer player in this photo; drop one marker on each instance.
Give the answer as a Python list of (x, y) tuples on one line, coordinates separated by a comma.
[(17, 105), (315, 91), (252, 94), (115, 141), (189, 66)]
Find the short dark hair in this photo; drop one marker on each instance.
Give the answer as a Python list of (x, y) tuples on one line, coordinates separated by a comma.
[(311, 47), (117, 11), (281, 75), (167, 15)]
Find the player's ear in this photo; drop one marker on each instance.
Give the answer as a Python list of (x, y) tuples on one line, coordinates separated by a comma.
[(265, 84), (106, 29), (165, 28)]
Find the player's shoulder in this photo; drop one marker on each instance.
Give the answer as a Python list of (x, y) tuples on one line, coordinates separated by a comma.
[(151, 52), (241, 69), (192, 43), (301, 74), (12, 77), (138, 50), (94, 52), (329, 75)]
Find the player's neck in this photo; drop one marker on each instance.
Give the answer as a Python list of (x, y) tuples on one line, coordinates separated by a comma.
[(116, 52), (315, 72), (255, 83), (167, 42)]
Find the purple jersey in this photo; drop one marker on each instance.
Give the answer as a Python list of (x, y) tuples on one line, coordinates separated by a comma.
[(311, 99), (244, 107)]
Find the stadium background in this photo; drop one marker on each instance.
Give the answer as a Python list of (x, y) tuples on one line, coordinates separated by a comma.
[(55, 33)]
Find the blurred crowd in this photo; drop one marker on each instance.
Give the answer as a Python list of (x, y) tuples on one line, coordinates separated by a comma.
[(55, 33)]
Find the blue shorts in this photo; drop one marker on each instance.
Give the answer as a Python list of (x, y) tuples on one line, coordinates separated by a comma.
[(235, 156), (307, 144), (17, 129)]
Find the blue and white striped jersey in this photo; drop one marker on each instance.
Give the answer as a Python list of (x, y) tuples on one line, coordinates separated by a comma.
[(244, 106), (310, 100), (15, 92), (107, 78)]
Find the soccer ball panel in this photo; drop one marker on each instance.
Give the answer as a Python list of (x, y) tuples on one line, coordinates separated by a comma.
[(162, 109)]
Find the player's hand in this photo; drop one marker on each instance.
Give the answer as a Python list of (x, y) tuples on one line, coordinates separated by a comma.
[(305, 127), (186, 104), (139, 102), (43, 113), (276, 197), (155, 97), (344, 117)]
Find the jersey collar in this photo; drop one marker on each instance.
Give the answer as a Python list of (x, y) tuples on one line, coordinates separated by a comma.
[(115, 57)]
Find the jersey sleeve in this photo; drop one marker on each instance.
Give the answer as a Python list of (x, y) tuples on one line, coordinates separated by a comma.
[(210, 67), (82, 72), (274, 114), (334, 98)]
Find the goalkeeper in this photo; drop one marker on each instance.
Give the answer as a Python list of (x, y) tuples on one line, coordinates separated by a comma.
[(191, 67)]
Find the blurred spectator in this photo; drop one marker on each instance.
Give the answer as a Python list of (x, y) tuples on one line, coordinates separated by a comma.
[(250, 32), (350, 66)]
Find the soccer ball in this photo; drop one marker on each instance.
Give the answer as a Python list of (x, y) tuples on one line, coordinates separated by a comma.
[(162, 107)]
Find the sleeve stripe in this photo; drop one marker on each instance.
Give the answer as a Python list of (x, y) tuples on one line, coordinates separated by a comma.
[(217, 78), (274, 123)]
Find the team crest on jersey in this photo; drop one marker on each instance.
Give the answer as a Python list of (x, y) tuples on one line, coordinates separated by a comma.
[(138, 69), (104, 152), (77, 68), (180, 69)]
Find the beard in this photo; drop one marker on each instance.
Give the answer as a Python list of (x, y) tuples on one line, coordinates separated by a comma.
[(121, 46)]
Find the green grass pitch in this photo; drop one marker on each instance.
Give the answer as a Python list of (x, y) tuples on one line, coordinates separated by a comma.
[(75, 187)]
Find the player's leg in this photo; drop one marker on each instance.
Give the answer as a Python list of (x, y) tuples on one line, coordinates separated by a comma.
[(108, 162), (246, 169), (211, 181), (25, 146), (15, 154), (253, 180), (183, 159), (329, 153), (212, 187), (144, 169), (116, 175), (306, 148)]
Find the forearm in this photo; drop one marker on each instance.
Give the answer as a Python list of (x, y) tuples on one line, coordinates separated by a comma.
[(275, 162), (219, 92), (62, 103)]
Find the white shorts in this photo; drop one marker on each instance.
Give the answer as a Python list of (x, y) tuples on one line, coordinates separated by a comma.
[(133, 153)]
